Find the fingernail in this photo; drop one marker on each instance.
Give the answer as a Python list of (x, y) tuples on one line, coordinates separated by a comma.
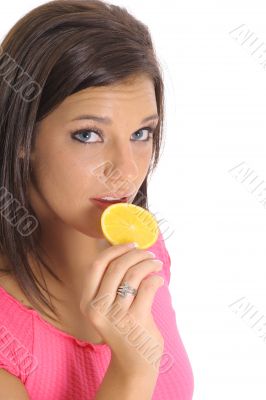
[(158, 261), (133, 244), (150, 252)]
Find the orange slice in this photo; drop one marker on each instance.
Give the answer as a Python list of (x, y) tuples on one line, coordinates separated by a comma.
[(125, 222)]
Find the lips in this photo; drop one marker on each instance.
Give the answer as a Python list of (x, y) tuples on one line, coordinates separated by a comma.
[(122, 200), (106, 203), (114, 195)]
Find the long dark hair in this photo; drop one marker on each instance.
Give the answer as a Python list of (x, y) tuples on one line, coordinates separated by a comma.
[(54, 51)]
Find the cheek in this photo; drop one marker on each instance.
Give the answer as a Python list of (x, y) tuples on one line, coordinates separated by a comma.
[(61, 178), (143, 155), (64, 177)]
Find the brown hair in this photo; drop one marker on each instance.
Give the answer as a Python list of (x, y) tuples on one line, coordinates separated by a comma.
[(55, 50)]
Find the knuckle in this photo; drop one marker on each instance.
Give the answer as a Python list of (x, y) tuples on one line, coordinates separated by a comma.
[(112, 267), (148, 284)]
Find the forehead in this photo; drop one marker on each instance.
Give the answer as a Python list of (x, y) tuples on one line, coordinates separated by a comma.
[(138, 93)]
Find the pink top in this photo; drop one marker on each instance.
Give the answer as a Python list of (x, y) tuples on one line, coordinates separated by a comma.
[(55, 365)]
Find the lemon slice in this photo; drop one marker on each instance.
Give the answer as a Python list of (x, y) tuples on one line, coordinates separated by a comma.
[(125, 222)]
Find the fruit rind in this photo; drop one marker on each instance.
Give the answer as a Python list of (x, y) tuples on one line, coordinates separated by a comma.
[(125, 235)]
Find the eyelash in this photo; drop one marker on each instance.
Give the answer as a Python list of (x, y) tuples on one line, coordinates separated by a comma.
[(96, 130)]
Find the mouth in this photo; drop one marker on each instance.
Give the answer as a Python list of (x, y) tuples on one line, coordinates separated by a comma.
[(104, 203)]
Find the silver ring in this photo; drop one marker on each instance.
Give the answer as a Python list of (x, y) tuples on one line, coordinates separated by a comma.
[(125, 289)]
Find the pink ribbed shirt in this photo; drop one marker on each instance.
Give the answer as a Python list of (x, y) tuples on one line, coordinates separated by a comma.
[(54, 365)]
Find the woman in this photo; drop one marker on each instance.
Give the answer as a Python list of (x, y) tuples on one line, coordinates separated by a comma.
[(81, 118)]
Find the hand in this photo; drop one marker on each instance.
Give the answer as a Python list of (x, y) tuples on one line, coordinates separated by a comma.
[(104, 308)]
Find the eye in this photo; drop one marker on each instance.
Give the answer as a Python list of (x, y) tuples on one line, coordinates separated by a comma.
[(149, 135), (87, 134), (84, 135)]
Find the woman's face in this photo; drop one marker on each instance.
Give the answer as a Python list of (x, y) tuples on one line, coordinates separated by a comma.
[(76, 159)]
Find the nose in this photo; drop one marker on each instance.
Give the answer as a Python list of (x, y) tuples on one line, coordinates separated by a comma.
[(122, 170)]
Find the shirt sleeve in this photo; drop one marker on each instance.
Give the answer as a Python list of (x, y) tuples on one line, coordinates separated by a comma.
[(9, 368), (15, 356)]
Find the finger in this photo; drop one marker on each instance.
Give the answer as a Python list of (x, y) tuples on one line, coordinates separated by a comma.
[(97, 269), (133, 278), (102, 261), (142, 304), (123, 266), (112, 305)]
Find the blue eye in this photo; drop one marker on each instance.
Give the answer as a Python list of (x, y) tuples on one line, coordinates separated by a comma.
[(88, 133), (149, 136)]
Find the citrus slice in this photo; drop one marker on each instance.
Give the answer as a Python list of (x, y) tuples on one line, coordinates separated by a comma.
[(125, 222)]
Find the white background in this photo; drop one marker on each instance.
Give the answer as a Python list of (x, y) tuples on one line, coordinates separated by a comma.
[(215, 120)]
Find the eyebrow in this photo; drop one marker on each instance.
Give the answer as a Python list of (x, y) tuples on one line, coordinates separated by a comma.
[(107, 120)]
